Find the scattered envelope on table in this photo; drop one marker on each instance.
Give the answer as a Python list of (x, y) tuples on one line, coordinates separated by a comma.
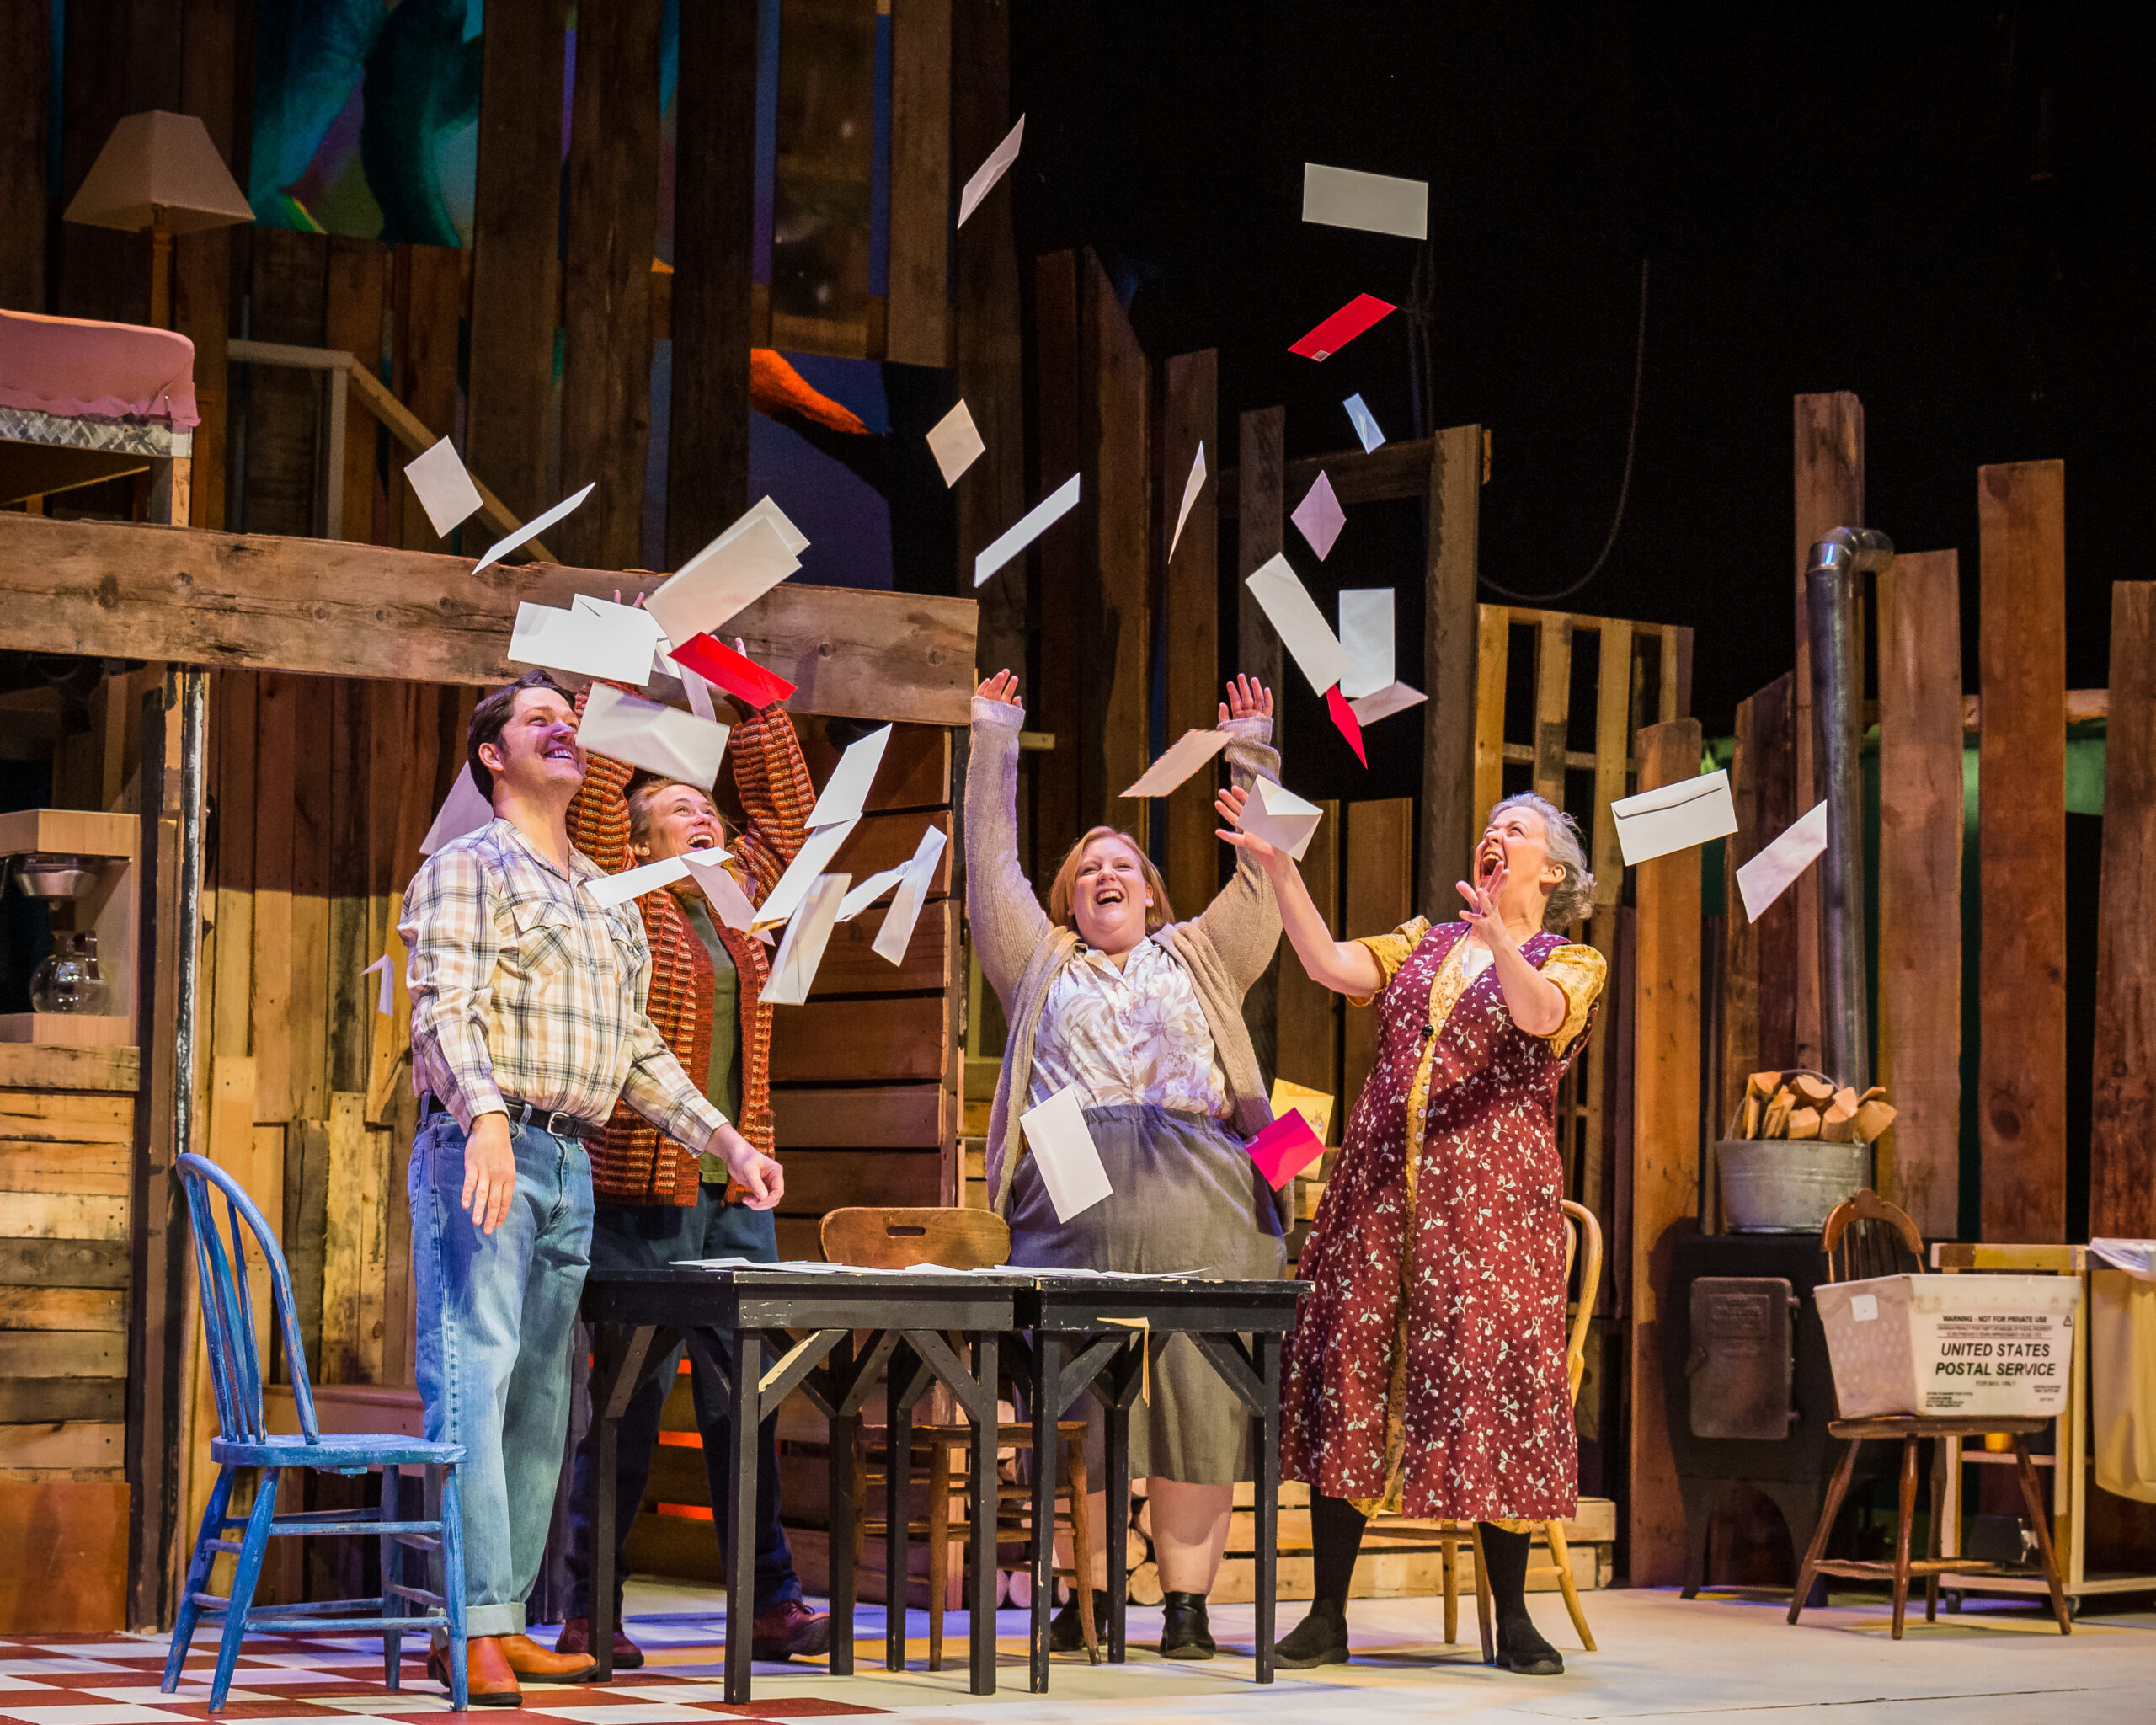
[(1285, 1148), (1065, 1152), (1282, 818), (892, 938), (1319, 517), (1376, 203), (387, 1003), (1036, 521), (1178, 761), (846, 793), (994, 168), (821, 846), (1769, 874), (635, 883), (808, 931), (532, 529), (1190, 486), (1343, 326), (595, 638), (1313, 1105), (1366, 636), (445, 490), (721, 890), (1300, 625), (1383, 703), (955, 442), (731, 573), (1674, 817), (663, 740), (1365, 423), (463, 810)]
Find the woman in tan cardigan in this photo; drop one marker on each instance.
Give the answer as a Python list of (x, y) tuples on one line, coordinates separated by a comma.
[(1106, 994), (655, 1203)]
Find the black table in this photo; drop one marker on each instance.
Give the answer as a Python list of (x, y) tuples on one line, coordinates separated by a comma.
[(1088, 1332), (638, 1316)]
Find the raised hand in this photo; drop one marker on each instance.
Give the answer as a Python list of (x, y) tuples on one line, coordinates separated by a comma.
[(1482, 914), (1229, 806), (1247, 698), (1004, 688)]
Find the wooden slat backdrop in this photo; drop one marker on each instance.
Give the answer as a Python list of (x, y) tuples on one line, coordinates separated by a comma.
[(1191, 590), (1449, 663), (1377, 895), (1666, 1138), (917, 324), (2122, 1137), (1060, 791), (1920, 830), (1113, 700), (2021, 1100)]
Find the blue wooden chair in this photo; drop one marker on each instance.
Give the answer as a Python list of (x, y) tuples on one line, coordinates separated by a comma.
[(243, 1440)]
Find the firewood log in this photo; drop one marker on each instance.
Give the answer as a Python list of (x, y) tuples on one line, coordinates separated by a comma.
[(1873, 1119), (1775, 1123), (1817, 1092), (1762, 1085), (1804, 1123), (1749, 1117)]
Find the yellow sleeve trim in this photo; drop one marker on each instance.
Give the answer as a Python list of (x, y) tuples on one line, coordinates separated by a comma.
[(1391, 951), (1579, 972)]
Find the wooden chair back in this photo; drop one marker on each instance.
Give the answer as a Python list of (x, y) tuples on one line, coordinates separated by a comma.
[(1580, 1220), (1866, 1237), (878, 1239)]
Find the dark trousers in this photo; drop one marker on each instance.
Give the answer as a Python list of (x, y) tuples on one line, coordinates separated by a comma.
[(651, 1236)]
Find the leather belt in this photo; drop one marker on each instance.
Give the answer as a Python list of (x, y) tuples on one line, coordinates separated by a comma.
[(560, 1122)]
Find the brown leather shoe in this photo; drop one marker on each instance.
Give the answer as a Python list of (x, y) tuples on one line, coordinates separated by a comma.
[(487, 1679), (789, 1630), (576, 1638), (527, 1658)]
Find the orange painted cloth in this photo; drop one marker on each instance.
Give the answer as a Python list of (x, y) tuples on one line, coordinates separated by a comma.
[(775, 386)]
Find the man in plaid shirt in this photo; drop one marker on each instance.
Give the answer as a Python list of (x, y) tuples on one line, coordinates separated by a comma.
[(527, 1023)]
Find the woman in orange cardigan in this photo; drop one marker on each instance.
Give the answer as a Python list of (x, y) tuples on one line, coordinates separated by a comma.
[(655, 1203)]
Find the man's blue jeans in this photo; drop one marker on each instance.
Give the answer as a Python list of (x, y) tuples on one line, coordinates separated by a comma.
[(639, 1237), (497, 1313)]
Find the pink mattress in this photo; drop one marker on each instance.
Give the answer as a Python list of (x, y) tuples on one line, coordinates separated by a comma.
[(67, 366)]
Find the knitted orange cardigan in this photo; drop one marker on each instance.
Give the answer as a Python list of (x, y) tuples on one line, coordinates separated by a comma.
[(632, 1162)]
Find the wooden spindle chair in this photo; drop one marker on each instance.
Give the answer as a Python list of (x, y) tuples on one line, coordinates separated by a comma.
[(1867, 1238)]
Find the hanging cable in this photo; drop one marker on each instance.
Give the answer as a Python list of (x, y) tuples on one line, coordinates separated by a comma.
[(1623, 485)]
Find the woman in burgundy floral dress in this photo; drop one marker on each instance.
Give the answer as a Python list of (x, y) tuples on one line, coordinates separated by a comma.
[(1426, 1374)]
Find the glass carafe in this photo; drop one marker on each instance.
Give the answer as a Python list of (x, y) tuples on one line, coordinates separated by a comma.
[(69, 979)]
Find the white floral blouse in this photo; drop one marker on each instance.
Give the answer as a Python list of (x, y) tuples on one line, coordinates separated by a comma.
[(1134, 1035)]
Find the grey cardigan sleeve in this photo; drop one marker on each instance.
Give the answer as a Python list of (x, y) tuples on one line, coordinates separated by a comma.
[(1007, 921), (1243, 921)]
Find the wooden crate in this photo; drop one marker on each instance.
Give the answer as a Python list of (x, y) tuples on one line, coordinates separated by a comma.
[(111, 910)]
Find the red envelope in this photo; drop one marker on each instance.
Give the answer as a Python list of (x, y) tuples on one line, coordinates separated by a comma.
[(741, 677), (1343, 326), (1343, 715), (1285, 1148)]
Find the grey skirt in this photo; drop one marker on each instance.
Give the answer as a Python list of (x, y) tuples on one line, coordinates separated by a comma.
[(1187, 1197)]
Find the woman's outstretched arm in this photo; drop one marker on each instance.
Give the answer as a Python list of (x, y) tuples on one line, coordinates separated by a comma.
[(1344, 966), (1008, 923)]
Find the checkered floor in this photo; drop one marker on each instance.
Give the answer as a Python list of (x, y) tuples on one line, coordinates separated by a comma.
[(112, 1680)]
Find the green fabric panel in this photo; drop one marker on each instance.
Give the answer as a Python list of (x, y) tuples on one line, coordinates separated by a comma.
[(722, 1080)]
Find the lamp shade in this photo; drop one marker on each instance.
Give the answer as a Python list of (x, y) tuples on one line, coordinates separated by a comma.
[(159, 161)]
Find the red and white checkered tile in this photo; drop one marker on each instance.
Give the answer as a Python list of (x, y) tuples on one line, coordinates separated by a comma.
[(286, 1680)]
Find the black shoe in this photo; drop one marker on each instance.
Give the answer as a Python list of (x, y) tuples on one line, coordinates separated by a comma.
[(1067, 1634), (1521, 1648), (1184, 1632), (1319, 1639)]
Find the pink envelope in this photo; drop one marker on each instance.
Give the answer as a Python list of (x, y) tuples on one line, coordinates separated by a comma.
[(1285, 1148)]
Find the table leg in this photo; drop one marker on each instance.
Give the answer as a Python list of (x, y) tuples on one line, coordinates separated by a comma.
[(985, 1432), (1127, 1379), (845, 1436), (621, 1358), (1046, 1388), (898, 1503), (1265, 1434), (744, 1415)]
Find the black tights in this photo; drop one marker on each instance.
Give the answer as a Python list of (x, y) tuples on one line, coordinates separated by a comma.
[(1337, 1535)]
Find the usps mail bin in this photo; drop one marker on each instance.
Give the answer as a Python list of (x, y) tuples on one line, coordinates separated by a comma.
[(1962, 1345)]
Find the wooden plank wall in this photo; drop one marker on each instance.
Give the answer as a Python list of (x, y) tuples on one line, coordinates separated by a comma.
[(67, 1151), (2122, 1137), (1449, 815), (2020, 1102), (1377, 894), (1760, 991), (1190, 620), (1115, 704), (1665, 1171), (1920, 830)]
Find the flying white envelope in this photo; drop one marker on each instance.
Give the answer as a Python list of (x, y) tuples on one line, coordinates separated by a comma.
[(955, 442), (635, 883), (594, 638), (1366, 637), (1300, 625), (387, 1003), (984, 177), (1376, 203), (897, 931), (699, 693), (1769, 875), (1064, 1151), (727, 901), (661, 740), (463, 810), (1036, 521), (1282, 818), (766, 509), (1178, 761), (1674, 817), (531, 529), (445, 490), (808, 863), (793, 965), (1394, 697), (859, 898), (846, 791), (1190, 486), (731, 572), (1365, 423)]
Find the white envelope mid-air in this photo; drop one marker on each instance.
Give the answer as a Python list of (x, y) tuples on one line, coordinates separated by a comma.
[(1064, 1151), (1300, 625), (594, 638), (661, 740), (846, 791), (897, 932), (1769, 875), (735, 569), (445, 490), (1178, 761), (1282, 818), (463, 810), (801, 949), (1674, 817), (635, 883), (1383, 703)]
